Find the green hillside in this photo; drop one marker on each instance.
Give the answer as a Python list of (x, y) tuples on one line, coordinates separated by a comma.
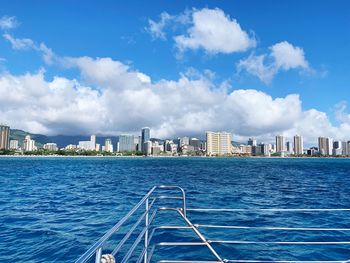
[(19, 136)]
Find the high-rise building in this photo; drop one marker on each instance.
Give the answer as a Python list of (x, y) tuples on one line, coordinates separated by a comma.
[(325, 145), (195, 143), (252, 142), (93, 142), (298, 145), (97, 147), (139, 144), (14, 144), (52, 147), (28, 144), (108, 145), (345, 147), (218, 143), (126, 143), (145, 136), (337, 148), (280, 144), (88, 145), (148, 147), (265, 149), (4, 137)]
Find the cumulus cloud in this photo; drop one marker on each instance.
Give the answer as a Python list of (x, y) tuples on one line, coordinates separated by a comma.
[(287, 56), (8, 22), (111, 97), (208, 29), (283, 56), (215, 32)]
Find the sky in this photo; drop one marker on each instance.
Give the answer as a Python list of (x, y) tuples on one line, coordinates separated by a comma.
[(253, 68)]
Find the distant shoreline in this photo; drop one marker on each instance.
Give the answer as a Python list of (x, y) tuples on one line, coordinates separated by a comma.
[(154, 157)]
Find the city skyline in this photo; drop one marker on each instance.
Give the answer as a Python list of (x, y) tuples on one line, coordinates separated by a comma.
[(215, 144), (162, 69), (280, 140)]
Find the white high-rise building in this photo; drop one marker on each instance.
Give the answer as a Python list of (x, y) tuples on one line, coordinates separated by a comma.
[(265, 149), (93, 142), (13, 144), (218, 143), (126, 143), (52, 147), (108, 145), (148, 147), (29, 144), (298, 145), (325, 145), (280, 144), (88, 145)]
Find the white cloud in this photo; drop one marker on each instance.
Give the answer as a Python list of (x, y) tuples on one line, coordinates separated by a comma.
[(28, 44), (340, 112), (19, 43), (208, 29), (111, 98), (255, 65), (8, 22), (47, 53), (215, 32), (156, 29), (287, 56), (282, 56)]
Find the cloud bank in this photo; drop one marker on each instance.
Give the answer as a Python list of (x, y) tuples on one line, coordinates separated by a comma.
[(110, 97)]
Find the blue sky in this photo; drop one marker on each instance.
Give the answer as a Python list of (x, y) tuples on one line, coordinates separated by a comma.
[(120, 30)]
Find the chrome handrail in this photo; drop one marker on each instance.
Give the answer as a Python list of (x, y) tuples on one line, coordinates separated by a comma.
[(97, 248), (149, 230)]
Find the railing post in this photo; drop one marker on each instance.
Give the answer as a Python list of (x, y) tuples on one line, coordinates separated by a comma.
[(98, 255), (146, 233), (184, 202)]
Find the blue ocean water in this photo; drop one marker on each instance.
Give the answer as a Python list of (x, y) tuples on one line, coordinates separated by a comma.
[(54, 209)]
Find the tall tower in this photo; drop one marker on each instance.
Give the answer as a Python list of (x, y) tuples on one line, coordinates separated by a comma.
[(325, 145), (145, 137), (298, 145), (218, 143), (280, 144), (4, 137), (93, 142)]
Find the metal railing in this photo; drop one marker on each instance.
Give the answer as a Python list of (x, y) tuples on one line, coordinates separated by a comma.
[(148, 231), (147, 201)]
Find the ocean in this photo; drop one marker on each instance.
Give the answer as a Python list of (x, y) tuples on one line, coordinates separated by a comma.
[(54, 209)]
